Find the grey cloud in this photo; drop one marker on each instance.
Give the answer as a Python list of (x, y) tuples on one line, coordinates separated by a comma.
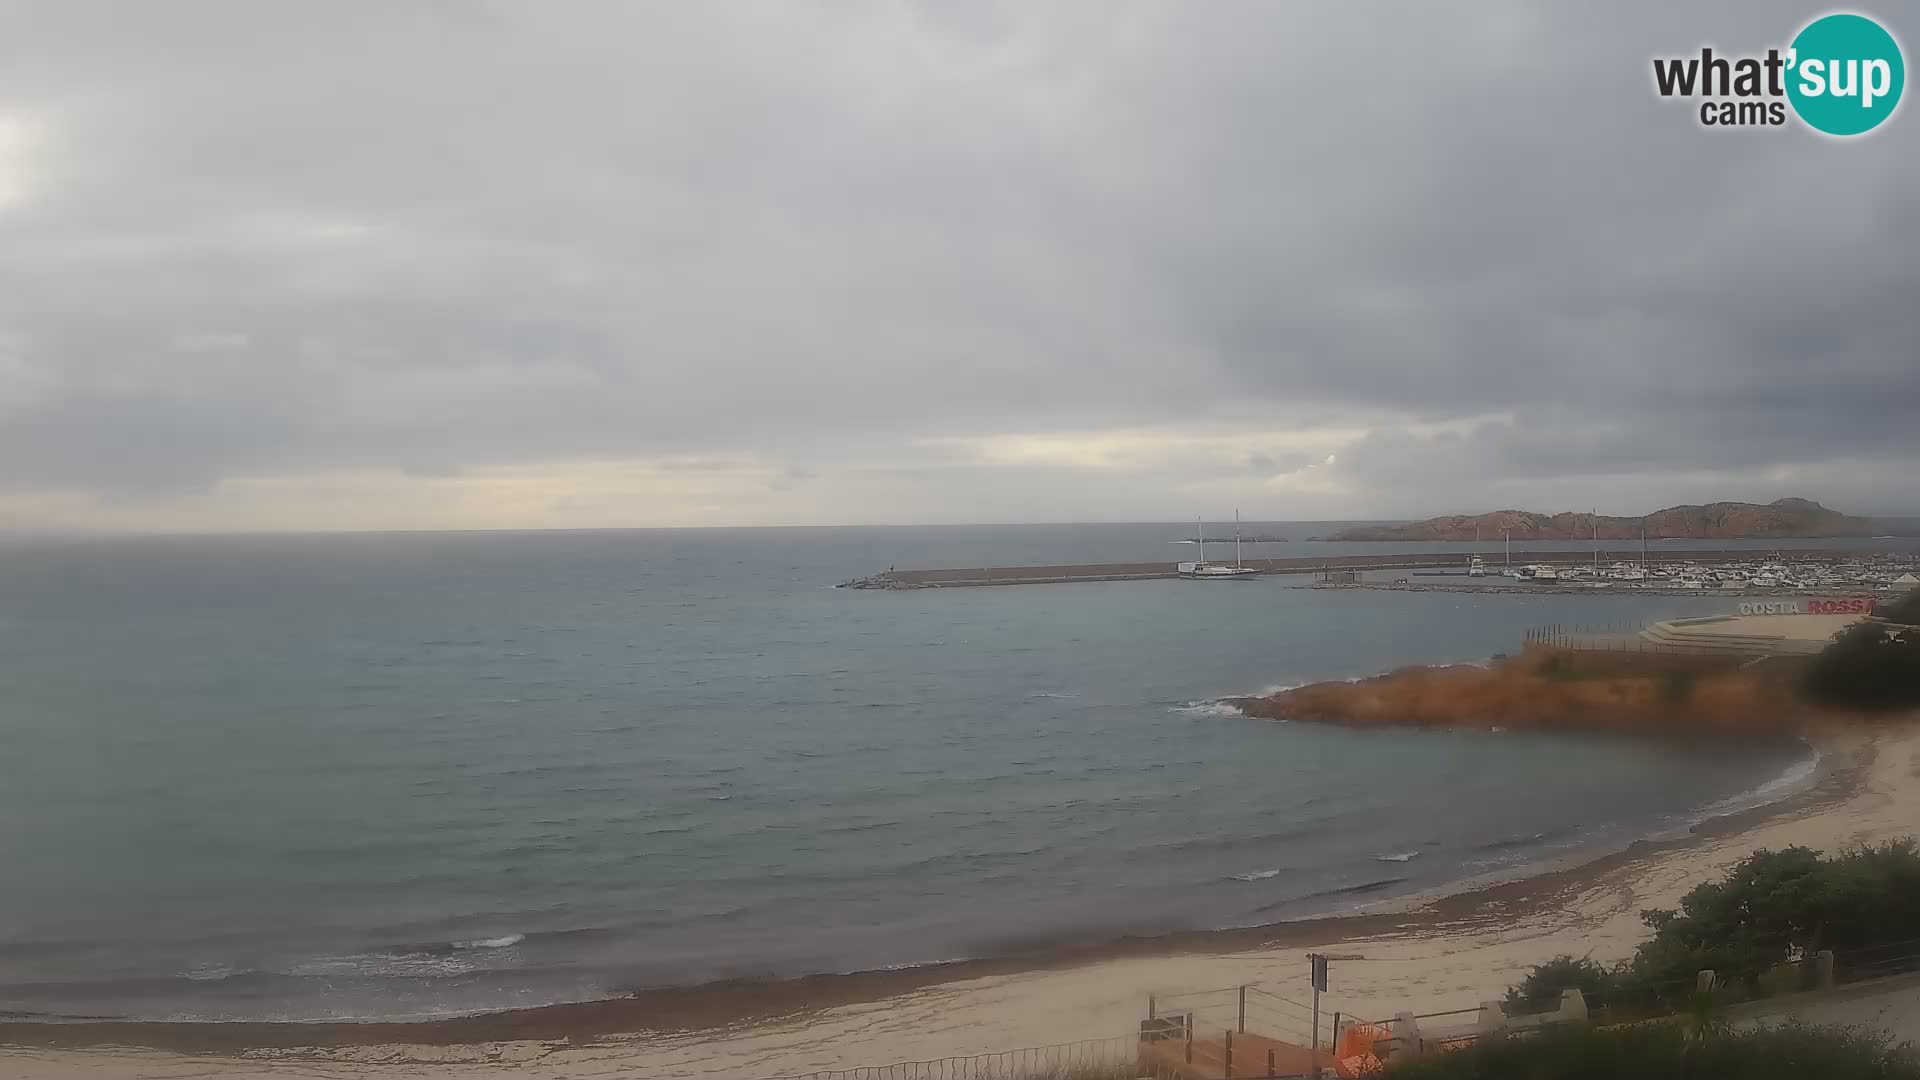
[(440, 236), (1263, 464), (791, 477)]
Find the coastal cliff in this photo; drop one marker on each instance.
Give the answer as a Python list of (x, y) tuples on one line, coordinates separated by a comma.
[(1547, 690), (1782, 518), (1870, 673)]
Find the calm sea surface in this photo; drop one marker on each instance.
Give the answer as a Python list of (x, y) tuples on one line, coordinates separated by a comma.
[(404, 775)]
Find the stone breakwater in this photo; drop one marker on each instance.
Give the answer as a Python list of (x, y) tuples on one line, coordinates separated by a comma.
[(880, 581)]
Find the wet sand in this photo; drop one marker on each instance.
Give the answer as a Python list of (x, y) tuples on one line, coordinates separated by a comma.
[(1427, 953)]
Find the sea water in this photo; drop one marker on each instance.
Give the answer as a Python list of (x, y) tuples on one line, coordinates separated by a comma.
[(408, 775)]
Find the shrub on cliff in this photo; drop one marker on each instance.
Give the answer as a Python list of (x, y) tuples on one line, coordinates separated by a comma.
[(1676, 687), (1870, 665), (1904, 610), (1792, 1052)]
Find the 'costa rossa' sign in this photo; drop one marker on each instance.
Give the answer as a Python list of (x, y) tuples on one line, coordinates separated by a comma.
[(1851, 605)]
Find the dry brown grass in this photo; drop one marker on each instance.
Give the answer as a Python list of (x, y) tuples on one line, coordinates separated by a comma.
[(1555, 690)]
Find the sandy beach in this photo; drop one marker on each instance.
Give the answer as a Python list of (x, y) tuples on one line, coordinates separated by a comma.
[(1429, 954)]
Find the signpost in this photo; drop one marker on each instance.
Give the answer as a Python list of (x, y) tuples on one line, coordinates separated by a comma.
[(1318, 961)]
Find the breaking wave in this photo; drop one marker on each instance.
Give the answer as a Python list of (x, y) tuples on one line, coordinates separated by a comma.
[(1256, 875), (1207, 708), (1795, 777), (506, 942)]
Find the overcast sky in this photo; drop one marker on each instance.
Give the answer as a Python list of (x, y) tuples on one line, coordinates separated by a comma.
[(457, 264)]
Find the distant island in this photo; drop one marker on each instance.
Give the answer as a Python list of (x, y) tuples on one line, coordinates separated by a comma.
[(1714, 521)]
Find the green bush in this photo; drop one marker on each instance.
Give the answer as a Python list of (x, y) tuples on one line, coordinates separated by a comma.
[(1775, 907), (1871, 665), (1669, 1052), (1785, 979), (1906, 609), (1540, 991)]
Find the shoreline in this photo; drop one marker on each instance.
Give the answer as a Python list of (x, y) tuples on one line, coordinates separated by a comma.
[(671, 1023), (726, 1002)]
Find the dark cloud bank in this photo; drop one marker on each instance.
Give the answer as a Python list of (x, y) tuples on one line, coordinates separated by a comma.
[(247, 239)]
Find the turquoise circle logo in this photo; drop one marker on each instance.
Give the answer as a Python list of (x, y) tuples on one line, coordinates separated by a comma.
[(1845, 74)]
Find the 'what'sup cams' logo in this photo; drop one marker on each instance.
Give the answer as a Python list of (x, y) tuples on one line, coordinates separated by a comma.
[(1842, 75)]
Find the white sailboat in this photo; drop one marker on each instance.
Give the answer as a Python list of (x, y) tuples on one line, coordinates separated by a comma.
[(1623, 572), (1597, 582), (1595, 515), (1201, 569)]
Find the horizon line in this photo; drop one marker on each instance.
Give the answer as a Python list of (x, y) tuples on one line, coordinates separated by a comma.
[(57, 532)]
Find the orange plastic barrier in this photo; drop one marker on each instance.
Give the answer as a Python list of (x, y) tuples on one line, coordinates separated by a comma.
[(1354, 1057), (1360, 1065)]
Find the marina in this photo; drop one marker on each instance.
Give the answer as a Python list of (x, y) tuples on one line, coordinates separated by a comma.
[(1729, 572), (1832, 592)]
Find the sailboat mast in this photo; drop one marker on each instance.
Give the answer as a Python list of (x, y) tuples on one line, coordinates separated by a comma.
[(1596, 543), (1507, 534), (1236, 538), (1200, 533), (1643, 543)]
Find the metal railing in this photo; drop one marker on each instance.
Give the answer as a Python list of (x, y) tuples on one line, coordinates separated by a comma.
[(1245, 1008), (1117, 1058)]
